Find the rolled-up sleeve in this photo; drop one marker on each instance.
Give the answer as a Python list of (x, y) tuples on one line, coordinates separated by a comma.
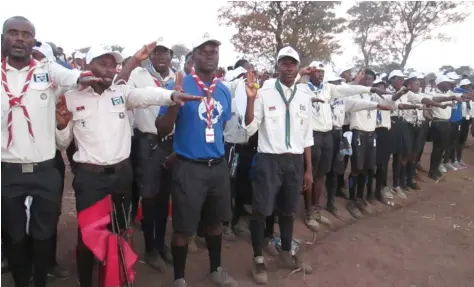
[(145, 97), (64, 137), (252, 128)]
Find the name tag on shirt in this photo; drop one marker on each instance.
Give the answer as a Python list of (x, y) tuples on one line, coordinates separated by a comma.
[(41, 78), (117, 101), (210, 135)]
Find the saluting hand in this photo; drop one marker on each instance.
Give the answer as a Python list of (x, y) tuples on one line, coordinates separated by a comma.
[(383, 107), (306, 71), (145, 52), (63, 115), (251, 86), (178, 84)]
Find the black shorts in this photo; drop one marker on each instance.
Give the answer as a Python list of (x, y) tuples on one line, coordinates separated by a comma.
[(201, 194), (383, 149), (322, 152), (440, 131), (337, 165), (278, 180), (417, 133), (363, 151), (44, 185)]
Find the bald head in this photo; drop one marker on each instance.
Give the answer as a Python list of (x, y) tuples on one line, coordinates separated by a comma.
[(18, 38)]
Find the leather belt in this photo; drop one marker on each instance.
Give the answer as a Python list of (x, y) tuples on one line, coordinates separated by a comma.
[(108, 169)]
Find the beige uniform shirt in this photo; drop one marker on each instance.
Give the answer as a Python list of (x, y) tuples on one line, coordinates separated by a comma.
[(40, 101), (100, 124)]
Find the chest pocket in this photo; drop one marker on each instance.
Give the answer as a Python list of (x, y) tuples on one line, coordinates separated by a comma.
[(39, 94), (275, 117), (83, 120)]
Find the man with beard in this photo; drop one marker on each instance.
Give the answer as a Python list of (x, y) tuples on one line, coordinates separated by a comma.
[(200, 172), (154, 182), (100, 126), (30, 90)]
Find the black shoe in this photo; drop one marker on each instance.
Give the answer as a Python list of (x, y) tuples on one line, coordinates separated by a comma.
[(333, 210), (340, 193), (434, 175), (371, 198), (58, 272)]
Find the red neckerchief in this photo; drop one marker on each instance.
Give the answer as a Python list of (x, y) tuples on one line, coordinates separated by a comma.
[(17, 101), (208, 101)]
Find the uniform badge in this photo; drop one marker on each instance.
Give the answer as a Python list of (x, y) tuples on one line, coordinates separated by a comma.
[(41, 78), (43, 96), (272, 108), (80, 108), (117, 100), (121, 115), (303, 108)]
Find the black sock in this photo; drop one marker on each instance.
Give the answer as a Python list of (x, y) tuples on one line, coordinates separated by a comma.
[(269, 226), (148, 225), (19, 262), (179, 254), (403, 173), (257, 229), (410, 172), (331, 181), (360, 185), (370, 182), (84, 262), (396, 170), (214, 246), (161, 220), (379, 181), (41, 261), (352, 187), (286, 231)]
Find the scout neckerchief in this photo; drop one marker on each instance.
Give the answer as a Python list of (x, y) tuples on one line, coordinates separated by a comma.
[(17, 101), (287, 105), (208, 101), (316, 90)]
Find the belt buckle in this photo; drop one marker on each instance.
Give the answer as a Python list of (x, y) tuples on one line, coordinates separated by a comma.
[(27, 168), (209, 162)]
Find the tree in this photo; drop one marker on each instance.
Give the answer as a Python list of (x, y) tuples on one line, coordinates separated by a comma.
[(413, 22), (446, 68), (117, 48), (179, 52), (263, 28), (369, 22)]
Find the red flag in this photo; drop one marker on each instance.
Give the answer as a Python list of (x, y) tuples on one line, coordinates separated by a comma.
[(114, 268), (93, 223), (139, 215)]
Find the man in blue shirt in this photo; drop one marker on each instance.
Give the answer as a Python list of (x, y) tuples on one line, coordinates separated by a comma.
[(58, 59), (200, 173)]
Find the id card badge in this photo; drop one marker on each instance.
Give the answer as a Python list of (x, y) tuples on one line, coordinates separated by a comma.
[(209, 135), (468, 117)]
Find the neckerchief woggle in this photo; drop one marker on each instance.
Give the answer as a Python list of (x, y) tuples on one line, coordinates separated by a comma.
[(287, 112)]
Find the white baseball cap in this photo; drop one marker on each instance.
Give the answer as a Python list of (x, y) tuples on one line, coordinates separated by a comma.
[(378, 80), (160, 42), (205, 38), (231, 75), (100, 50), (79, 55), (465, 82), (342, 69), (318, 65), (396, 73), (453, 76), (416, 75), (46, 50), (332, 77), (443, 78), (288, 52)]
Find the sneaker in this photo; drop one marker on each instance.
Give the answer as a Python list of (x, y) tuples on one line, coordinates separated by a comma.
[(387, 193), (58, 272), (192, 246), (321, 219), (310, 220), (288, 261), (449, 166), (228, 234), (221, 278), (462, 164), (442, 168), (360, 204), (398, 191), (353, 210), (259, 270), (179, 283), (333, 210), (154, 260), (269, 247)]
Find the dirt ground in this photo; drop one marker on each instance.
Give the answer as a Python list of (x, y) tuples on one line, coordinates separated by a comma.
[(426, 240)]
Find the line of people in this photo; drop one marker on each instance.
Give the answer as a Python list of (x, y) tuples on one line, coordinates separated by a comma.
[(146, 136)]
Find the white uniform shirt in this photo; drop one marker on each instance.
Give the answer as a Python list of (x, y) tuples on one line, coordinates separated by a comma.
[(439, 113), (269, 120), (468, 113), (144, 119), (100, 124), (322, 113), (366, 120), (342, 106), (234, 131), (40, 101)]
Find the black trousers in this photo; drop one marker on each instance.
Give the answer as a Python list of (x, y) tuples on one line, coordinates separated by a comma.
[(42, 182), (453, 141), (240, 185), (439, 130), (425, 126), (134, 162), (91, 184), (456, 153)]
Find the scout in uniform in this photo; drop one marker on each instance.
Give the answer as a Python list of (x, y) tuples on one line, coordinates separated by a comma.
[(29, 172), (280, 165), (154, 190), (465, 86), (200, 172), (96, 117)]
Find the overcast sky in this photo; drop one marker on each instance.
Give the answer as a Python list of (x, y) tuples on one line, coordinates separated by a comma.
[(133, 23)]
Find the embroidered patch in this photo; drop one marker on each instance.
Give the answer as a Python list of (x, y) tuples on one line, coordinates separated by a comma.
[(43, 96), (41, 78), (303, 108), (117, 100), (272, 108), (80, 108)]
